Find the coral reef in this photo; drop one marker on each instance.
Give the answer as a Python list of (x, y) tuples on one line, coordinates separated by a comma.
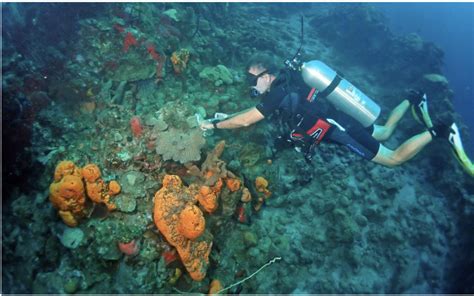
[(182, 223), (218, 75)]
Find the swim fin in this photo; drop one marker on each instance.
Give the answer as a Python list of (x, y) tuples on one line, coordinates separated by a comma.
[(420, 112), (455, 141)]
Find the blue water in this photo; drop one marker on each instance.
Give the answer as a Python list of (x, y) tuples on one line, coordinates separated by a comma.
[(451, 27)]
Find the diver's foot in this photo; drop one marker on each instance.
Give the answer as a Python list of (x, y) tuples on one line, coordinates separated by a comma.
[(419, 108), (454, 138), (442, 131)]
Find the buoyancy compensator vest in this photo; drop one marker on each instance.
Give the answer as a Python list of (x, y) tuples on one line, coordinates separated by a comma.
[(295, 113)]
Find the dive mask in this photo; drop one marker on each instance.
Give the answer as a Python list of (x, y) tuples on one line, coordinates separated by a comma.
[(252, 80)]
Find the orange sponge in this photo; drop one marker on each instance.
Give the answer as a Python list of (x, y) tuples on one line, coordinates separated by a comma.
[(207, 199), (174, 205), (114, 187), (191, 222), (64, 168), (95, 186), (215, 286), (67, 195), (91, 172)]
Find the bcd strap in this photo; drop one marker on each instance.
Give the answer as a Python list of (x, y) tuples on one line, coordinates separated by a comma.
[(331, 87)]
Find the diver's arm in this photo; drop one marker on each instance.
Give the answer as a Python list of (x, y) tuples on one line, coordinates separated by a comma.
[(242, 120)]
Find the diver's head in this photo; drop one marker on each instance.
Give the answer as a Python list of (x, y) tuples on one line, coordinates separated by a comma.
[(262, 70)]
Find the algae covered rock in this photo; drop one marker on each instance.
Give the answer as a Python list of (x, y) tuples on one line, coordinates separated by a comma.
[(132, 183), (218, 75), (131, 70), (71, 285), (344, 229), (126, 203), (72, 237), (250, 239)]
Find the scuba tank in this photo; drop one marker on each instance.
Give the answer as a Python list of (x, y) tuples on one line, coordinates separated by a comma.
[(340, 92)]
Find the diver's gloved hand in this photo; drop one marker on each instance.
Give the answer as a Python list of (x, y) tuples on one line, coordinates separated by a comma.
[(206, 125), (414, 96)]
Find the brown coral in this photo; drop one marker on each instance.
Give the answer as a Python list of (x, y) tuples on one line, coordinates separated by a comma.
[(170, 201), (217, 188), (233, 184), (246, 196), (261, 183), (180, 59), (262, 186)]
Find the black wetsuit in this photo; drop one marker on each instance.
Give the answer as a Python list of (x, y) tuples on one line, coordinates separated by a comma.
[(288, 96)]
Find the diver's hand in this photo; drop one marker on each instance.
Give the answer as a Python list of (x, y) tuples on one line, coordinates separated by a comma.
[(206, 125)]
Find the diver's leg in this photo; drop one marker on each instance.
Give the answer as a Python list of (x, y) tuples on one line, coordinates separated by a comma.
[(383, 132), (404, 152)]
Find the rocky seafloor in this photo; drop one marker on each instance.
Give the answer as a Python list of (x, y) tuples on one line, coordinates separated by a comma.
[(119, 86)]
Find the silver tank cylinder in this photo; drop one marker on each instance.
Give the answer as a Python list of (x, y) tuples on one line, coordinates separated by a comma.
[(345, 96)]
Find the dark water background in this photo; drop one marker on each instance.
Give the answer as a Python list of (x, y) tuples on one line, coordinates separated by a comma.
[(451, 27)]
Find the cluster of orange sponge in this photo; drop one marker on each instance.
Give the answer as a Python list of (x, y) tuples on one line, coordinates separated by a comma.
[(179, 211), (69, 188)]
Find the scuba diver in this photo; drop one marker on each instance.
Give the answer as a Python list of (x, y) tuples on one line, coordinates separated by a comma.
[(299, 95)]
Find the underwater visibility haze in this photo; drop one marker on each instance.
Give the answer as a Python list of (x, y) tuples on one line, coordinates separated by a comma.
[(451, 27), (114, 182)]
